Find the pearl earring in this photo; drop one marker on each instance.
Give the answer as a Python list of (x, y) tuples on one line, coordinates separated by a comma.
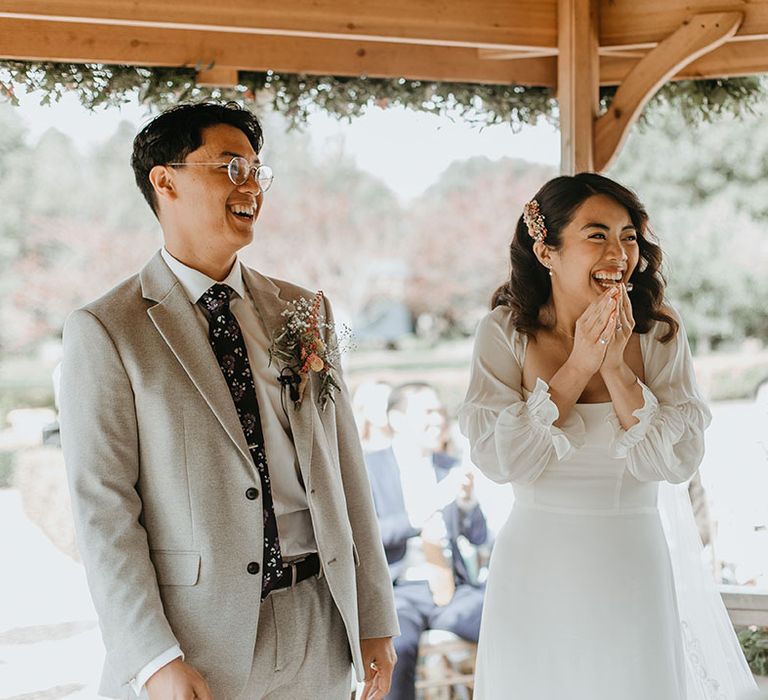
[(550, 272)]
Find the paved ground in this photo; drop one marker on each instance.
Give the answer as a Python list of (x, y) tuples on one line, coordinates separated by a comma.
[(735, 474), (50, 646)]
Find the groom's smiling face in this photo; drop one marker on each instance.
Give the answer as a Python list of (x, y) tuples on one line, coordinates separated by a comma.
[(209, 212)]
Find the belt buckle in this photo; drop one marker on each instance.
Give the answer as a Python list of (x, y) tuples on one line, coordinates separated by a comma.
[(294, 573)]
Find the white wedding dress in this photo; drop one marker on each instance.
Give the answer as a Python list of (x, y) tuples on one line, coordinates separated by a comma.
[(581, 601)]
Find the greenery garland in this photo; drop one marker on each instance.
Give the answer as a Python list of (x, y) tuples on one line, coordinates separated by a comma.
[(295, 96)]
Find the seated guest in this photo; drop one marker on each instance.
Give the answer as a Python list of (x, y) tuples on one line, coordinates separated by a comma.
[(426, 505), (369, 405)]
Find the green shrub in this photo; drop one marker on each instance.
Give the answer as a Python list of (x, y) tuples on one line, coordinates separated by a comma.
[(737, 383), (754, 642)]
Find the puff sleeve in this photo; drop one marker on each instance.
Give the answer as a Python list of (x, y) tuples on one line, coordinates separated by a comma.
[(667, 444), (511, 439)]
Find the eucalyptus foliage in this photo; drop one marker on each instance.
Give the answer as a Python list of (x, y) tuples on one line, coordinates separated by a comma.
[(295, 96)]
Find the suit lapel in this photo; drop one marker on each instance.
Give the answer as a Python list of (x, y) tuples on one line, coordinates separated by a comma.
[(270, 306), (176, 321)]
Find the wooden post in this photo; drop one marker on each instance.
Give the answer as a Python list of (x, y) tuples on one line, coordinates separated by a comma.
[(578, 86)]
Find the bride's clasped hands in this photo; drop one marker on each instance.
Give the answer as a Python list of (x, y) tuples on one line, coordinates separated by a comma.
[(618, 331), (598, 341)]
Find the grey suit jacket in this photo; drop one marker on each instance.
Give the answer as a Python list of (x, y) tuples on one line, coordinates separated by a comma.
[(158, 469)]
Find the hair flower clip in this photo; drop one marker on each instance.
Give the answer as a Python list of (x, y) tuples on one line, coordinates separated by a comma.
[(534, 220)]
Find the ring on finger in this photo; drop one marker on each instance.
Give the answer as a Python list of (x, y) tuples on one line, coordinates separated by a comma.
[(603, 341), (619, 326)]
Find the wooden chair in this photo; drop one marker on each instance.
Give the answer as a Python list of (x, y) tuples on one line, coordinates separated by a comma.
[(445, 667)]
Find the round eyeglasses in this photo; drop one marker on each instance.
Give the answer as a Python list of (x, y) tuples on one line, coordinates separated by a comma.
[(239, 170)]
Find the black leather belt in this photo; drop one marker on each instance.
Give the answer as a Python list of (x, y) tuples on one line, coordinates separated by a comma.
[(298, 571)]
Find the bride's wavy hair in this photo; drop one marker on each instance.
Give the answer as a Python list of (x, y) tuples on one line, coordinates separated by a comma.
[(529, 286)]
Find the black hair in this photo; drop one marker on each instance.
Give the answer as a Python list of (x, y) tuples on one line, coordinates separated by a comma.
[(175, 133), (529, 286), (398, 397)]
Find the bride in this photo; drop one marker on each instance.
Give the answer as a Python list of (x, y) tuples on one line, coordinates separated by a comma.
[(583, 395)]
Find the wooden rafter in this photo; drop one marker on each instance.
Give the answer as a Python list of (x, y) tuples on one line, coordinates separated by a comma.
[(88, 43), (691, 40), (514, 54), (522, 25), (629, 23), (514, 40), (732, 59), (479, 24)]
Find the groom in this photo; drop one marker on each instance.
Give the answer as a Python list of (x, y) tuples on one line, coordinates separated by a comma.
[(229, 538)]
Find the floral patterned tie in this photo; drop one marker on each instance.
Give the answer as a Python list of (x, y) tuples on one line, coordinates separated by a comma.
[(229, 347)]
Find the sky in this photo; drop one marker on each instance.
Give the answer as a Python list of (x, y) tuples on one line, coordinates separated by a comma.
[(407, 150)]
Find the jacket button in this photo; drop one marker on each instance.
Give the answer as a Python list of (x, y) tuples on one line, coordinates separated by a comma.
[(252, 494), (253, 567)]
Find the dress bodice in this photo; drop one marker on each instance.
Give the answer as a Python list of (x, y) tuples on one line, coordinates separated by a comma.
[(514, 438), (590, 479)]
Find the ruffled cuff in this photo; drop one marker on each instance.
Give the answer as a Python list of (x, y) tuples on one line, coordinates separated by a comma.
[(544, 412), (625, 440)]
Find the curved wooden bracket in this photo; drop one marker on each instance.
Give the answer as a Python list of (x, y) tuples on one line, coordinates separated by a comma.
[(694, 38)]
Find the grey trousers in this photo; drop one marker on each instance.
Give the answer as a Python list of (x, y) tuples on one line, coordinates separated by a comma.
[(302, 651)]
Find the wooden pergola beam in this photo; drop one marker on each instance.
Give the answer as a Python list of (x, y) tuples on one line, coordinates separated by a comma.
[(629, 23), (33, 40), (493, 24), (27, 40), (692, 39), (479, 24)]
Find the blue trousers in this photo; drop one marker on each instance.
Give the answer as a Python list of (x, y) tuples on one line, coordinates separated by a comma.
[(416, 613)]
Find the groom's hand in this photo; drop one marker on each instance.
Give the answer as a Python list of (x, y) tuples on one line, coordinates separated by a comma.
[(177, 681), (379, 659)]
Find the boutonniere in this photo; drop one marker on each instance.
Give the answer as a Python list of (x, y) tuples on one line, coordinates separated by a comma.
[(299, 349)]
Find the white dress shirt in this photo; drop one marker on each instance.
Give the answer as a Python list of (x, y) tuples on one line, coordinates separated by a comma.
[(294, 524)]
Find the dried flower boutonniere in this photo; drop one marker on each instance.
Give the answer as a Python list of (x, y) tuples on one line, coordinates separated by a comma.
[(299, 348)]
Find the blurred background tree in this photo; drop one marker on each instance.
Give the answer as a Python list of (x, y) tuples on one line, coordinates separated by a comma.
[(325, 220), (460, 233), (706, 191), (73, 224)]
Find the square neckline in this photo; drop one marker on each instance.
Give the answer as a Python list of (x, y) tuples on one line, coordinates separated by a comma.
[(578, 403)]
